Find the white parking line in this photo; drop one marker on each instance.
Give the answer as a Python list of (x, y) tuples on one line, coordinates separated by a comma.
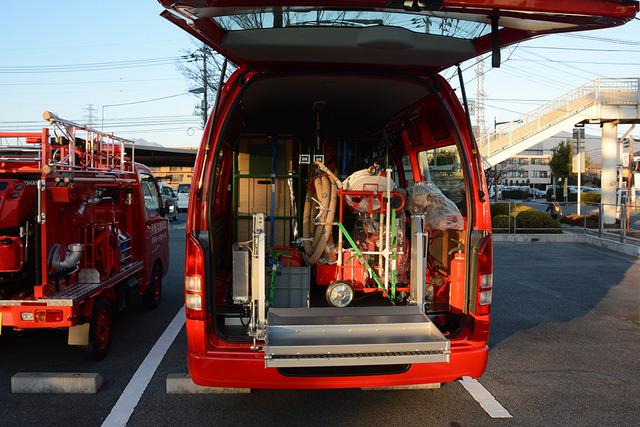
[(132, 393), (484, 398)]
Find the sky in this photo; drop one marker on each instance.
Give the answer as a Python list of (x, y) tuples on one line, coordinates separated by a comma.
[(45, 51)]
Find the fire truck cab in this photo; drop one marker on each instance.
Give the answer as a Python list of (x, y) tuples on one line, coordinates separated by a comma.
[(338, 231), (82, 229)]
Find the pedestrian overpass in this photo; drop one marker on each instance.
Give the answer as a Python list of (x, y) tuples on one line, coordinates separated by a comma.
[(599, 101), (607, 101)]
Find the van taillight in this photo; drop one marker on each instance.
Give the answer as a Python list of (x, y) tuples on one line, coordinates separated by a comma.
[(485, 276), (194, 279)]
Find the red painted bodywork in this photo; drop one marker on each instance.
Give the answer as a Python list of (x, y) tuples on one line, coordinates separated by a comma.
[(215, 362), (582, 14), (70, 217)]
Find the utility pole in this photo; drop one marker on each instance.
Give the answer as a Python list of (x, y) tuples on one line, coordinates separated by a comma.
[(578, 135)]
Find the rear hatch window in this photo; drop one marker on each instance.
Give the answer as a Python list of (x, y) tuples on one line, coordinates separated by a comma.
[(433, 35)]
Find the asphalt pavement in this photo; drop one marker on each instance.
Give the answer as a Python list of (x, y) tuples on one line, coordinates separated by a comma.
[(564, 350)]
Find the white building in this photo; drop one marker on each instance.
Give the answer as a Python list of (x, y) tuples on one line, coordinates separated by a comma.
[(531, 167)]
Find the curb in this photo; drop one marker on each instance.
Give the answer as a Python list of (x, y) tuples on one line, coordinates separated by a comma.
[(182, 384), (56, 382), (622, 248)]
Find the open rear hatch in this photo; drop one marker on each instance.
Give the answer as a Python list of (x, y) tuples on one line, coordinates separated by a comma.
[(426, 34), (352, 336)]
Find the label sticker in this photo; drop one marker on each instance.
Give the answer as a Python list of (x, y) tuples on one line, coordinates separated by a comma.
[(304, 159)]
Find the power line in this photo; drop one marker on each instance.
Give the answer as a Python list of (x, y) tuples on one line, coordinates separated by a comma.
[(145, 100), (603, 39), (579, 49), (95, 66), (84, 46), (75, 82), (127, 61), (577, 62)]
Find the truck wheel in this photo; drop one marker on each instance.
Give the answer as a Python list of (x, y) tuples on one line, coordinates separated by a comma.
[(151, 297), (99, 331)]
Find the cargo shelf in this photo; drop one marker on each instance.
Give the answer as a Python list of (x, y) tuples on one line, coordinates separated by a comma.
[(350, 336)]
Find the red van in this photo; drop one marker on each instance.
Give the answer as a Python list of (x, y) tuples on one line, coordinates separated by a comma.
[(338, 230)]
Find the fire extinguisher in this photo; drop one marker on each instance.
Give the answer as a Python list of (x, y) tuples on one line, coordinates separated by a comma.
[(457, 295)]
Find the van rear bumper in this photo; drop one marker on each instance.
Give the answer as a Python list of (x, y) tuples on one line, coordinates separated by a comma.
[(243, 369)]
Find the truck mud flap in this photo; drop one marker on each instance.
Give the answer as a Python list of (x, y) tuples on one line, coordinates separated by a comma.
[(352, 336)]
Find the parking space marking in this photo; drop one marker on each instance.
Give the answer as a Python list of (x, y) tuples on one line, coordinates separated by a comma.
[(128, 400), (486, 400)]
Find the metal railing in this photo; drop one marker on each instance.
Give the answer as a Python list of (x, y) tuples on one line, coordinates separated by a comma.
[(625, 227), (607, 91)]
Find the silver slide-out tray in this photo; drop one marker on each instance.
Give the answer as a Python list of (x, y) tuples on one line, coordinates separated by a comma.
[(352, 336)]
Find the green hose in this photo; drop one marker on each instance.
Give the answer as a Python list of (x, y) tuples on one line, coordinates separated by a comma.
[(394, 255)]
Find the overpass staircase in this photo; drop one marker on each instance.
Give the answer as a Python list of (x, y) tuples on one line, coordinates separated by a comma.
[(601, 100)]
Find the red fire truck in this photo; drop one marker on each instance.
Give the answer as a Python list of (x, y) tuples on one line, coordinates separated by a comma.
[(339, 232), (82, 227)]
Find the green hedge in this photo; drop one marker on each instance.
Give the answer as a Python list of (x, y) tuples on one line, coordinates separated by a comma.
[(502, 222), (503, 208), (590, 197), (521, 208), (499, 209), (526, 217), (529, 221)]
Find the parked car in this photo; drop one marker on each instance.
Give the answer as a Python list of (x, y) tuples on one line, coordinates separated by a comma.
[(183, 196), (169, 200), (536, 193)]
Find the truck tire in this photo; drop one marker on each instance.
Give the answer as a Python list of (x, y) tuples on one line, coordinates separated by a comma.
[(151, 297), (99, 331)]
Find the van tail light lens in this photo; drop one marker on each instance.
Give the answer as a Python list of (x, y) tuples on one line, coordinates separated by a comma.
[(194, 279), (485, 276)]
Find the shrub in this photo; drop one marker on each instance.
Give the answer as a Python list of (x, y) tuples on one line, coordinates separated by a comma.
[(592, 220), (499, 209), (532, 221), (503, 208), (501, 223), (590, 197), (518, 209)]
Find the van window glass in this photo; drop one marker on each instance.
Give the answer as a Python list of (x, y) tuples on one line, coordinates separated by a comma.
[(406, 168), (442, 167), (150, 192), (427, 22)]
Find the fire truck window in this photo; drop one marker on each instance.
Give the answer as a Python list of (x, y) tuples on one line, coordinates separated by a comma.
[(150, 192)]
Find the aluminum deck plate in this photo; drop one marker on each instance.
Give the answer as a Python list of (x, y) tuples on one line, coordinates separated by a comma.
[(305, 337), (73, 294)]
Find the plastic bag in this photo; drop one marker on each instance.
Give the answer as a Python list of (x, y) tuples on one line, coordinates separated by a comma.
[(440, 213)]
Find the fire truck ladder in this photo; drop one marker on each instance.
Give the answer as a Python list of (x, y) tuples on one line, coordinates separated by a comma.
[(102, 152)]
